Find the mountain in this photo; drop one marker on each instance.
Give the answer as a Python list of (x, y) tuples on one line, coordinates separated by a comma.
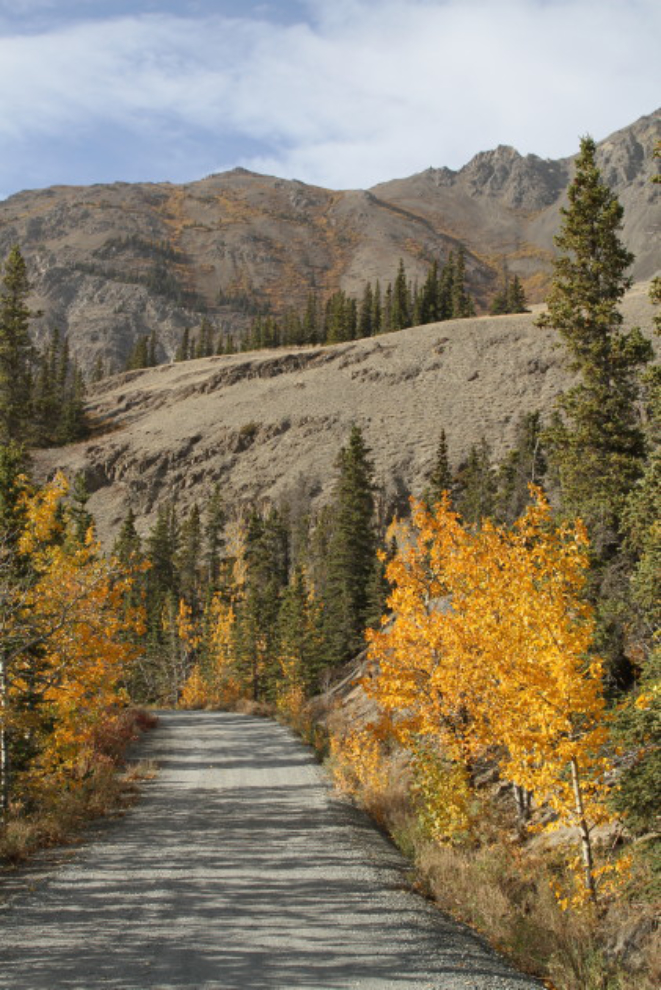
[(269, 424), (110, 263)]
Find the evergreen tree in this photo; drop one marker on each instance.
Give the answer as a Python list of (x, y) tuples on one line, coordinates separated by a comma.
[(440, 477), (13, 467), (16, 351), (597, 443), (267, 572), (638, 791), (189, 558), (213, 537), (386, 319), (461, 302), (299, 632), (162, 548), (351, 551), (47, 398), (183, 351), (500, 300), (205, 341), (446, 289), (377, 310), (311, 321), (400, 311), (476, 485), (138, 355), (72, 422), (516, 297), (128, 546), (79, 496), (365, 316), (152, 344), (511, 297), (429, 311)]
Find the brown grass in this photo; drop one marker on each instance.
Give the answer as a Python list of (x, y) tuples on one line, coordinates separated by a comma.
[(262, 709), (499, 888)]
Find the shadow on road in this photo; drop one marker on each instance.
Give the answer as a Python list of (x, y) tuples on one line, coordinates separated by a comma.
[(238, 870)]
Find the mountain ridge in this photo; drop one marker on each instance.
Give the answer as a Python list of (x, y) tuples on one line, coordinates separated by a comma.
[(112, 263)]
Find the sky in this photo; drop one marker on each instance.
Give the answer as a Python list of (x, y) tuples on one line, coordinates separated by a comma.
[(339, 93)]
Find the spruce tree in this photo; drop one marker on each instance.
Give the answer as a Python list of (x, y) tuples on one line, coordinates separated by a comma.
[(152, 344), (440, 477), (377, 310), (99, 370), (79, 496), (461, 302), (311, 321), (476, 485), (637, 795), (162, 548), (138, 355), (266, 577), (351, 551), (429, 310), (597, 443), (366, 312), (183, 350), (446, 288), (127, 547), (299, 631), (188, 558), (400, 313), (16, 351), (213, 537), (516, 297)]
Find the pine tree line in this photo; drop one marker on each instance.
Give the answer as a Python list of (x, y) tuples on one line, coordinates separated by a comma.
[(400, 304), (307, 585), (510, 298), (42, 393)]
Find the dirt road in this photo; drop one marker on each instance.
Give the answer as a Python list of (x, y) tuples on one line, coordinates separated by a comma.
[(237, 870)]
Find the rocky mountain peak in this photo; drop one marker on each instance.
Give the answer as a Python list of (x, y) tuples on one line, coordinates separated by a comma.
[(111, 263), (520, 182)]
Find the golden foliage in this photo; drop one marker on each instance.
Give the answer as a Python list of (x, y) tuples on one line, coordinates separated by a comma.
[(487, 654), (214, 683), (68, 628)]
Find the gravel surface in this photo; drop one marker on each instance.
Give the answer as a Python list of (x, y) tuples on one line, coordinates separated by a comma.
[(239, 870)]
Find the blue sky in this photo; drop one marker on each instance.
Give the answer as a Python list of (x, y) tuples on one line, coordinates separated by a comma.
[(343, 93)]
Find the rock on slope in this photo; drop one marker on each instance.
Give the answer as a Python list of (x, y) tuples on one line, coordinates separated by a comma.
[(113, 262), (269, 424)]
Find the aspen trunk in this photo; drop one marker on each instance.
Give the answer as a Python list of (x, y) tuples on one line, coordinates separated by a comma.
[(522, 799), (586, 843)]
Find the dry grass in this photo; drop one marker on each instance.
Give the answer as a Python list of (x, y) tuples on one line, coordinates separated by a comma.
[(504, 892), (262, 709)]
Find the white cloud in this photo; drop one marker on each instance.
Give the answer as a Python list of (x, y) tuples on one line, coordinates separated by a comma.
[(362, 92)]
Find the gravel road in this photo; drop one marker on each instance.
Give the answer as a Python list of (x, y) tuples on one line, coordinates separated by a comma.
[(238, 870)]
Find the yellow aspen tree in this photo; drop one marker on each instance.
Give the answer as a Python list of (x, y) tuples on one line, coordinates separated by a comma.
[(488, 652), (71, 652), (214, 681)]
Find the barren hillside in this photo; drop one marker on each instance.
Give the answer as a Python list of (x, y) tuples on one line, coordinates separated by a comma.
[(270, 424)]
